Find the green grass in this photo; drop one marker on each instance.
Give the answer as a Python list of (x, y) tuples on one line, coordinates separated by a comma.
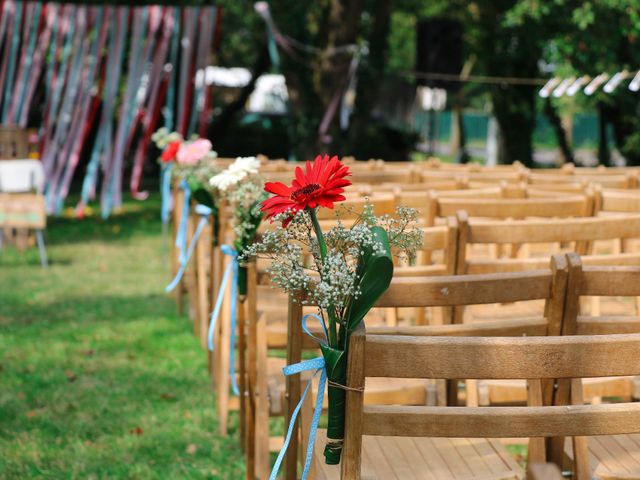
[(99, 378)]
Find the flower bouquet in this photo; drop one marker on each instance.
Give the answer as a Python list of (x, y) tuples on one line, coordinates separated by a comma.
[(241, 187), (351, 267), (190, 160)]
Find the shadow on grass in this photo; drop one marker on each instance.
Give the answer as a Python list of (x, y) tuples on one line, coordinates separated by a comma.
[(135, 218)]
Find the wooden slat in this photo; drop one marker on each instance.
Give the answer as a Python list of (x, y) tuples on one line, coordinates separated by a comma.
[(502, 358), (22, 210), (543, 471), (553, 230), (612, 281), (604, 325), (501, 422), (515, 208), (467, 290)]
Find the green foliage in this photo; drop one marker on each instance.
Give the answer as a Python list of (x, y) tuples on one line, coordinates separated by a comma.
[(98, 376)]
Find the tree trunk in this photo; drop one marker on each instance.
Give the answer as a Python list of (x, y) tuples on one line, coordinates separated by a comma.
[(561, 134), (515, 111), (604, 155), (371, 74)]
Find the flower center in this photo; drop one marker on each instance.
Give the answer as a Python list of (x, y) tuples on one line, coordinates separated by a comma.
[(304, 191)]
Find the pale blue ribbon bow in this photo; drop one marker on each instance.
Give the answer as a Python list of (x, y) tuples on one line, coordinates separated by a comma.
[(204, 213), (317, 364), (231, 271)]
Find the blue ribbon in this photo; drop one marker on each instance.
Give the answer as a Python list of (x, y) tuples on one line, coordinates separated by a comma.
[(165, 190), (204, 212), (181, 235), (231, 271), (317, 364)]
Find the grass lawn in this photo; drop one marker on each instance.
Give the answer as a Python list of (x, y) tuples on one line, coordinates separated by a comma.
[(99, 378)]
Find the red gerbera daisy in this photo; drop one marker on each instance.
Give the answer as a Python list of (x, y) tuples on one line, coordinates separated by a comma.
[(169, 154), (320, 185)]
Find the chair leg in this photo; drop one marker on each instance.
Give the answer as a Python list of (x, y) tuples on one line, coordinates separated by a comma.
[(41, 248)]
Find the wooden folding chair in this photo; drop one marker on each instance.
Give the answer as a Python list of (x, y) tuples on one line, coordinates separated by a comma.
[(390, 441), (449, 291), (23, 212)]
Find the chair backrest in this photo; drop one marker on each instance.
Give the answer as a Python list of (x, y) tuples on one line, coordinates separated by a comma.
[(532, 358), (22, 210), (443, 239), (599, 281), (352, 207), (428, 291), (562, 206), (578, 231), (619, 201)]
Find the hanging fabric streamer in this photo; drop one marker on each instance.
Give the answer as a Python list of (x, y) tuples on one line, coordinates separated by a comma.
[(57, 151), (44, 42), (59, 76), (10, 13), (186, 69), (173, 66), (151, 111), (205, 112), (13, 52), (230, 274), (202, 61), (28, 47), (102, 146), (69, 58), (112, 180), (76, 140)]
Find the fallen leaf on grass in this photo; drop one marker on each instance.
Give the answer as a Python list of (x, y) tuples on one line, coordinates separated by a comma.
[(192, 449), (35, 413), (136, 431), (167, 396)]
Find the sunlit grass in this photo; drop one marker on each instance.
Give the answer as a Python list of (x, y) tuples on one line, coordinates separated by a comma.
[(98, 376)]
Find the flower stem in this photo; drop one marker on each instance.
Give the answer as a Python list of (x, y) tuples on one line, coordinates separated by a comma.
[(333, 333), (316, 227)]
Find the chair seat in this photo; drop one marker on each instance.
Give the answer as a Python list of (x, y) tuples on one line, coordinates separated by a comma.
[(405, 458), (612, 456)]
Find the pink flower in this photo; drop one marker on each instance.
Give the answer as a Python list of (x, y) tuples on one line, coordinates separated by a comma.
[(191, 153)]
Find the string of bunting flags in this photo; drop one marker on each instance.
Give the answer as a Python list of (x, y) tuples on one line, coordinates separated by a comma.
[(97, 81)]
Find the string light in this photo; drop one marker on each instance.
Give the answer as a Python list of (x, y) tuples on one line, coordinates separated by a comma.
[(562, 88), (615, 81), (545, 91), (595, 83)]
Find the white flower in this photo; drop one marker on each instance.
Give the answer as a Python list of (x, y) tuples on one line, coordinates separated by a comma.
[(226, 179), (248, 165), (238, 170)]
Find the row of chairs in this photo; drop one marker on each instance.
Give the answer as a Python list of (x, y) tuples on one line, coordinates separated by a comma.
[(453, 236), (560, 286)]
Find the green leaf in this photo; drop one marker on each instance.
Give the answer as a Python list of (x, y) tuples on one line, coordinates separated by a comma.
[(203, 197), (377, 271)]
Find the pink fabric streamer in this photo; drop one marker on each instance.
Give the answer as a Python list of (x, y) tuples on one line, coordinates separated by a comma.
[(38, 59), (151, 109), (52, 53)]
